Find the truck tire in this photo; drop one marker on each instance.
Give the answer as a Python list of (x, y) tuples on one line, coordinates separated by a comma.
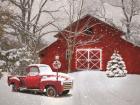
[(65, 92), (51, 91), (14, 88)]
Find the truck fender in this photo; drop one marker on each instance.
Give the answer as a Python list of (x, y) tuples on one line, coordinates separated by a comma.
[(45, 84), (14, 80)]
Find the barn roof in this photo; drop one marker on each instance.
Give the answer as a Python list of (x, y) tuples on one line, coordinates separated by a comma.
[(82, 21), (89, 19)]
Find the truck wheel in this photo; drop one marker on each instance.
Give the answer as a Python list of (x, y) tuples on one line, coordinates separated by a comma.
[(65, 92), (14, 88), (51, 91)]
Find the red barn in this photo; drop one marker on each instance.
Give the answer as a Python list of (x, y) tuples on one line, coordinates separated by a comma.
[(94, 55)]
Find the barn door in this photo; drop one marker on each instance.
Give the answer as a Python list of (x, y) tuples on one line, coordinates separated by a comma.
[(88, 59)]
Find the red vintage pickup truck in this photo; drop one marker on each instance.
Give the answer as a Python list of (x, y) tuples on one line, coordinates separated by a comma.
[(41, 78)]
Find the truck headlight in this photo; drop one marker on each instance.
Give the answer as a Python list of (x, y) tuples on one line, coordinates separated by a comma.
[(62, 82)]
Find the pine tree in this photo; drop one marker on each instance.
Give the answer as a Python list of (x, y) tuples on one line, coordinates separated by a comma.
[(15, 60), (116, 66)]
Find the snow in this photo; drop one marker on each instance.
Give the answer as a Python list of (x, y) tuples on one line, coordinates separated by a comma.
[(45, 78), (134, 39), (39, 65), (90, 88), (2, 62), (15, 78)]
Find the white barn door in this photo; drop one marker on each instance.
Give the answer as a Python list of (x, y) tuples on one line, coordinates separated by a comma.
[(88, 59)]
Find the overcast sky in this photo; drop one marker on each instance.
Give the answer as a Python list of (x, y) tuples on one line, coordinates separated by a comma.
[(62, 18)]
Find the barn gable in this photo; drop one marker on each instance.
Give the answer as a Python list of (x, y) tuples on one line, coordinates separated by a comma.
[(88, 23), (93, 55)]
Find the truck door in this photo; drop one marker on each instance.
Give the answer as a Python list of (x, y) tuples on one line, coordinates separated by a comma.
[(32, 80)]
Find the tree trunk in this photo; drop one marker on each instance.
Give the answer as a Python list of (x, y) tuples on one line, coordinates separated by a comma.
[(128, 31), (69, 61), (70, 53)]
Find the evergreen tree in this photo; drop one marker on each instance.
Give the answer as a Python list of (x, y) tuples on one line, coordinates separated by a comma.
[(14, 60), (116, 66)]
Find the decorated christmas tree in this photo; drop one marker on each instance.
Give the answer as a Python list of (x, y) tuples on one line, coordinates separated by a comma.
[(116, 66)]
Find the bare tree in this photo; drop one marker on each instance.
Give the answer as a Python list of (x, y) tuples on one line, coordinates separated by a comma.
[(26, 23), (101, 13), (4, 19), (71, 34), (130, 8)]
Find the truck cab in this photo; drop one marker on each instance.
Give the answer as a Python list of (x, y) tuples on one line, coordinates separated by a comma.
[(40, 77)]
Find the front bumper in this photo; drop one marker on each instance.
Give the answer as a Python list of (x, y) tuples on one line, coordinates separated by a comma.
[(67, 85)]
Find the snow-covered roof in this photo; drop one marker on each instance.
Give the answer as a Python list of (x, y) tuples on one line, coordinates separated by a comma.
[(135, 40)]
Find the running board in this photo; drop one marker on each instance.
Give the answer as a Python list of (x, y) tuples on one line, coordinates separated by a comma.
[(22, 89)]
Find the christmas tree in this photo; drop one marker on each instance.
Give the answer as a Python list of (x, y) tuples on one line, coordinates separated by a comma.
[(116, 66)]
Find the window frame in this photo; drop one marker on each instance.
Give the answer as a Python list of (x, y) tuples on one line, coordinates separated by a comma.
[(88, 31), (33, 73)]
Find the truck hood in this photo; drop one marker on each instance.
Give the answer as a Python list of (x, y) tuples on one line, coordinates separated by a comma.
[(53, 77)]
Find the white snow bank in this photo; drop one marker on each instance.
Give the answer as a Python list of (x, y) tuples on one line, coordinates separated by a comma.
[(90, 88)]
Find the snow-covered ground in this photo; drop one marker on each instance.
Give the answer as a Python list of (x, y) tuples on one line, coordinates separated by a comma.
[(90, 88)]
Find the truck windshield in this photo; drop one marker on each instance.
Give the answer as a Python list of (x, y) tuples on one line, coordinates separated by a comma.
[(45, 69)]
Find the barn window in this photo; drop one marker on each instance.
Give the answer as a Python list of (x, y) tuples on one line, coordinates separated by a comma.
[(88, 31)]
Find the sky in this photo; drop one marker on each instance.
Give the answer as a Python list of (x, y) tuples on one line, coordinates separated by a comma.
[(89, 7), (115, 13)]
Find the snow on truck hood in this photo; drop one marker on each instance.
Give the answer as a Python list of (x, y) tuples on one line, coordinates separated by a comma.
[(53, 77)]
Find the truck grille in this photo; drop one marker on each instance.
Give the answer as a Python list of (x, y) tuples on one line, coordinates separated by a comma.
[(68, 85)]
